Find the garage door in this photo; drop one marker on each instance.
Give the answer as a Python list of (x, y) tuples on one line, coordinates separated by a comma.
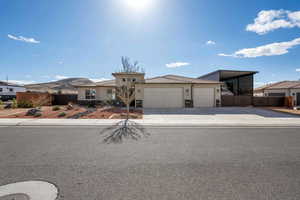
[(204, 97), (163, 97)]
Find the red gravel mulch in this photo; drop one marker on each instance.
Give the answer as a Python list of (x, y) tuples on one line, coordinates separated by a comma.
[(48, 113)]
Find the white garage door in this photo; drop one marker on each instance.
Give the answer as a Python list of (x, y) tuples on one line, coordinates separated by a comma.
[(204, 97), (163, 97)]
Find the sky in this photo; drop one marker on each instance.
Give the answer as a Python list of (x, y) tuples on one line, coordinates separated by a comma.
[(48, 40)]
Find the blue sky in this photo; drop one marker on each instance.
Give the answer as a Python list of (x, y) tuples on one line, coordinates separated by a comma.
[(48, 40)]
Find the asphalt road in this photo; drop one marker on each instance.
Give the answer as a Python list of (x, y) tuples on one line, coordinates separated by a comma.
[(173, 163)]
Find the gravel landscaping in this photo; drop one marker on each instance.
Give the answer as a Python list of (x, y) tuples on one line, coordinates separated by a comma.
[(78, 112)]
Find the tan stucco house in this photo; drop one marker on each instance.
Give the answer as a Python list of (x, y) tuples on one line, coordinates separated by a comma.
[(281, 89), (169, 91)]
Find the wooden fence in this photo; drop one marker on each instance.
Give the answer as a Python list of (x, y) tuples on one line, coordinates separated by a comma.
[(252, 101), (36, 98)]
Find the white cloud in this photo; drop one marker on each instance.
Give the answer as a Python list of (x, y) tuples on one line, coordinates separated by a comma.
[(298, 70), (59, 77), (21, 82), (269, 20), (273, 49), (98, 79), (177, 64), (60, 62), (210, 42), (23, 39)]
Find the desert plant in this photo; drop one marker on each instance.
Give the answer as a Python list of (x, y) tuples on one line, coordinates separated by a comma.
[(33, 112), (91, 104), (56, 108), (62, 114), (14, 103), (38, 114), (25, 104)]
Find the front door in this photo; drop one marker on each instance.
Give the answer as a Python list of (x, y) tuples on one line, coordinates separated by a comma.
[(298, 99)]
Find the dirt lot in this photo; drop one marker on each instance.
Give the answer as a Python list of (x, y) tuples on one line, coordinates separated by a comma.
[(285, 110), (78, 112)]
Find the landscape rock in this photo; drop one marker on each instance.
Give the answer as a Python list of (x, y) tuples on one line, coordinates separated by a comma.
[(8, 106), (33, 112), (70, 106)]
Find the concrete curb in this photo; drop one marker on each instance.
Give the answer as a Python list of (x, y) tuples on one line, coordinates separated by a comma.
[(278, 122)]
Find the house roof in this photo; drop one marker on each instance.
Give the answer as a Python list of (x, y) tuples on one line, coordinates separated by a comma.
[(2, 83), (280, 85), (178, 79), (227, 74), (159, 79), (108, 83)]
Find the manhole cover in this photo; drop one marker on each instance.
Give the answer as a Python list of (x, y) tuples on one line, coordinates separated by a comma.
[(15, 197), (28, 190)]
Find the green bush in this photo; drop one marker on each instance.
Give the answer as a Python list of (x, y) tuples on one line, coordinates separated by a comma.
[(62, 114), (91, 105), (25, 104), (1, 102), (38, 114), (56, 108), (14, 103)]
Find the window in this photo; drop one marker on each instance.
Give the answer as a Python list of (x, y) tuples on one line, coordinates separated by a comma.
[(90, 94), (11, 89), (276, 94), (109, 93), (1, 89), (124, 79), (133, 80)]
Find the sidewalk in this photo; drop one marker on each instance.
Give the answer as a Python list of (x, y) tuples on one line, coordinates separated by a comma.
[(184, 121)]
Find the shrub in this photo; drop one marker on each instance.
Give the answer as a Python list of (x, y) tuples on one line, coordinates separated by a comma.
[(56, 108), (91, 105), (33, 112), (1, 102), (38, 114), (25, 104), (14, 103), (62, 114)]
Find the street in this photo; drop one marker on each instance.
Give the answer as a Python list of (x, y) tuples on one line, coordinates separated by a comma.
[(172, 163)]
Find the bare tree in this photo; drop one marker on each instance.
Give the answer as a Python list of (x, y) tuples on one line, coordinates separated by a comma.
[(126, 93)]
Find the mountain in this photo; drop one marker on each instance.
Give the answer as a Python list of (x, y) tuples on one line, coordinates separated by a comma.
[(65, 86)]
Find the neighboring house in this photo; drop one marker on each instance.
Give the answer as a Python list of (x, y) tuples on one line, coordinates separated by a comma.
[(237, 83), (281, 89), (168, 91), (8, 90)]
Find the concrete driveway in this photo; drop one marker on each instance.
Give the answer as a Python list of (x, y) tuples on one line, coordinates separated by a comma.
[(221, 113)]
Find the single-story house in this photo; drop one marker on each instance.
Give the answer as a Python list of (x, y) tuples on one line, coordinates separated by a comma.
[(8, 90), (169, 91), (281, 89), (236, 83)]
